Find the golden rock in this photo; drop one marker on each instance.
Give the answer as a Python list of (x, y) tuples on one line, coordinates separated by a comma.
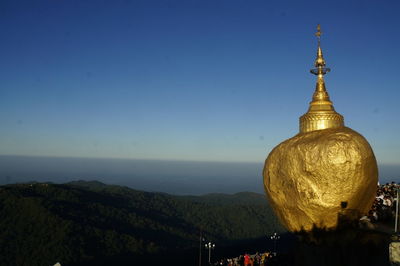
[(307, 177), (324, 172)]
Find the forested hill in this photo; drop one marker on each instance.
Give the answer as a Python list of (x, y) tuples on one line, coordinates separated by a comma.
[(93, 223)]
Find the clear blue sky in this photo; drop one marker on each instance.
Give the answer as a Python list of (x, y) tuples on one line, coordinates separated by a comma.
[(191, 80)]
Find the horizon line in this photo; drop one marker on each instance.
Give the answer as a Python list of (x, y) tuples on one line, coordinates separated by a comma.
[(150, 159), (125, 158)]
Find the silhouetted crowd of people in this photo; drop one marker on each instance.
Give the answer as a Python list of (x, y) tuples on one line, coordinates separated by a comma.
[(258, 259), (384, 207)]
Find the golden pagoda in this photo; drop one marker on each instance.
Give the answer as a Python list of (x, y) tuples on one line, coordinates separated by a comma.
[(321, 114), (325, 172)]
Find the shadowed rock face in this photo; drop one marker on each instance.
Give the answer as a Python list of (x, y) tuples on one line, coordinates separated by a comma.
[(313, 177)]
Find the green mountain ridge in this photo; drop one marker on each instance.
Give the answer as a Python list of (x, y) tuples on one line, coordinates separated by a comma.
[(84, 222)]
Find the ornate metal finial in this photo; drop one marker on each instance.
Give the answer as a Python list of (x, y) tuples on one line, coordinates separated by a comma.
[(318, 33), (321, 114), (319, 61)]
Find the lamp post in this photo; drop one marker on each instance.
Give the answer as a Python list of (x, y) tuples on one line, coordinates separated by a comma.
[(275, 237), (397, 211), (200, 242), (210, 246)]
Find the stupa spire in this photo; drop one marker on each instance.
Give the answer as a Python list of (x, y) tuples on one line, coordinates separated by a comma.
[(320, 93), (321, 113)]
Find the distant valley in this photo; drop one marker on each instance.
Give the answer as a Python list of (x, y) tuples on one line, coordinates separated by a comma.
[(90, 223)]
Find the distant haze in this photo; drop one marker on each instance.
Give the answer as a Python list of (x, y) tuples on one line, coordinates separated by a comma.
[(175, 177)]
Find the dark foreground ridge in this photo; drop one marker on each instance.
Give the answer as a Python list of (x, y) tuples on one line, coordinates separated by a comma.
[(344, 246), (90, 223)]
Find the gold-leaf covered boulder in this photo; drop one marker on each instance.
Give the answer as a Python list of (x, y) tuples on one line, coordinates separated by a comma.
[(325, 172), (307, 177)]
